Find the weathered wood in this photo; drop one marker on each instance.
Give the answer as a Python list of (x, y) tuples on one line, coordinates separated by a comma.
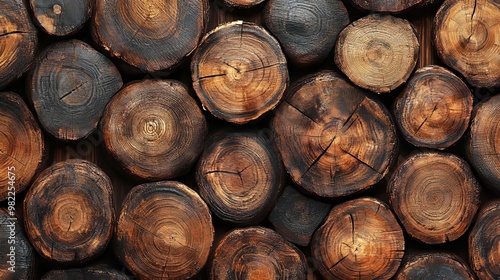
[(164, 231), (22, 147), (466, 38), (360, 239), (154, 129), (484, 248), (435, 266), (391, 6), (94, 273), (435, 196), (307, 30), (239, 72), (377, 52), (484, 141), (334, 139), (70, 85), (69, 212), (296, 216), (150, 35), (240, 176), (434, 108), (242, 3), (257, 253), (61, 17)]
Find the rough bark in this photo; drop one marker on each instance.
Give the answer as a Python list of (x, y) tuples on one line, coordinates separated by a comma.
[(61, 17)]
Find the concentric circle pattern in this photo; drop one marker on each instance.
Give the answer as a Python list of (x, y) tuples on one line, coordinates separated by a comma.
[(61, 17), (435, 266)]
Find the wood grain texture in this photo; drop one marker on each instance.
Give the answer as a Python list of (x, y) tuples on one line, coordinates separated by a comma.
[(384, 6), (61, 17), (242, 3), (435, 266), (164, 231), (334, 139), (94, 273)]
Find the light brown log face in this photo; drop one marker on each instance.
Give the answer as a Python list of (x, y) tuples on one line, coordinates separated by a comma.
[(242, 3), (435, 196), (466, 34), (377, 52), (484, 248), (484, 141), (435, 266), (151, 35), (334, 139), (18, 40), (22, 146), (239, 72), (61, 17), (69, 212), (70, 85), (240, 176), (257, 253), (154, 129), (434, 109), (164, 231), (392, 6), (360, 239)]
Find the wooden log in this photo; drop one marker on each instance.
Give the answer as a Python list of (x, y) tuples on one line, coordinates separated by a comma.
[(94, 273), (257, 253), (69, 212), (435, 266), (307, 30), (61, 17), (297, 216), (242, 3), (377, 52), (20, 263), (466, 39), (164, 231), (22, 147), (360, 239), (484, 248), (483, 142), (435, 196), (150, 35), (334, 139), (154, 129), (240, 176), (385, 6), (18, 41), (70, 86), (239, 72), (434, 108)]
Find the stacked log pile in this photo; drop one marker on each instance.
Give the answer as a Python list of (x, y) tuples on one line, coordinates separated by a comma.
[(249, 139)]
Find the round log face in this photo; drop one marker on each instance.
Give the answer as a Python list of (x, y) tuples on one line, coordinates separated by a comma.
[(257, 253), (22, 146), (154, 129), (435, 266), (239, 72), (69, 212), (377, 52), (360, 239), (466, 37), (164, 231), (434, 109), (61, 17), (334, 139), (435, 196)]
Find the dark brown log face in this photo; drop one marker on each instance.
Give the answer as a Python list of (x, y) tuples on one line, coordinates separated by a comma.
[(239, 72), (154, 129), (257, 253), (435, 266), (435, 196), (150, 35), (240, 176), (69, 212), (94, 273), (484, 248), (360, 239), (70, 86), (61, 17), (18, 40), (307, 30), (22, 146), (333, 138), (484, 141), (242, 3), (434, 109), (466, 38), (25, 260), (164, 232), (377, 52), (392, 6)]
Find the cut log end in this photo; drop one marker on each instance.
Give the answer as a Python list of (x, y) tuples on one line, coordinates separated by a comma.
[(385, 6), (435, 266), (242, 3), (95, 273)]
